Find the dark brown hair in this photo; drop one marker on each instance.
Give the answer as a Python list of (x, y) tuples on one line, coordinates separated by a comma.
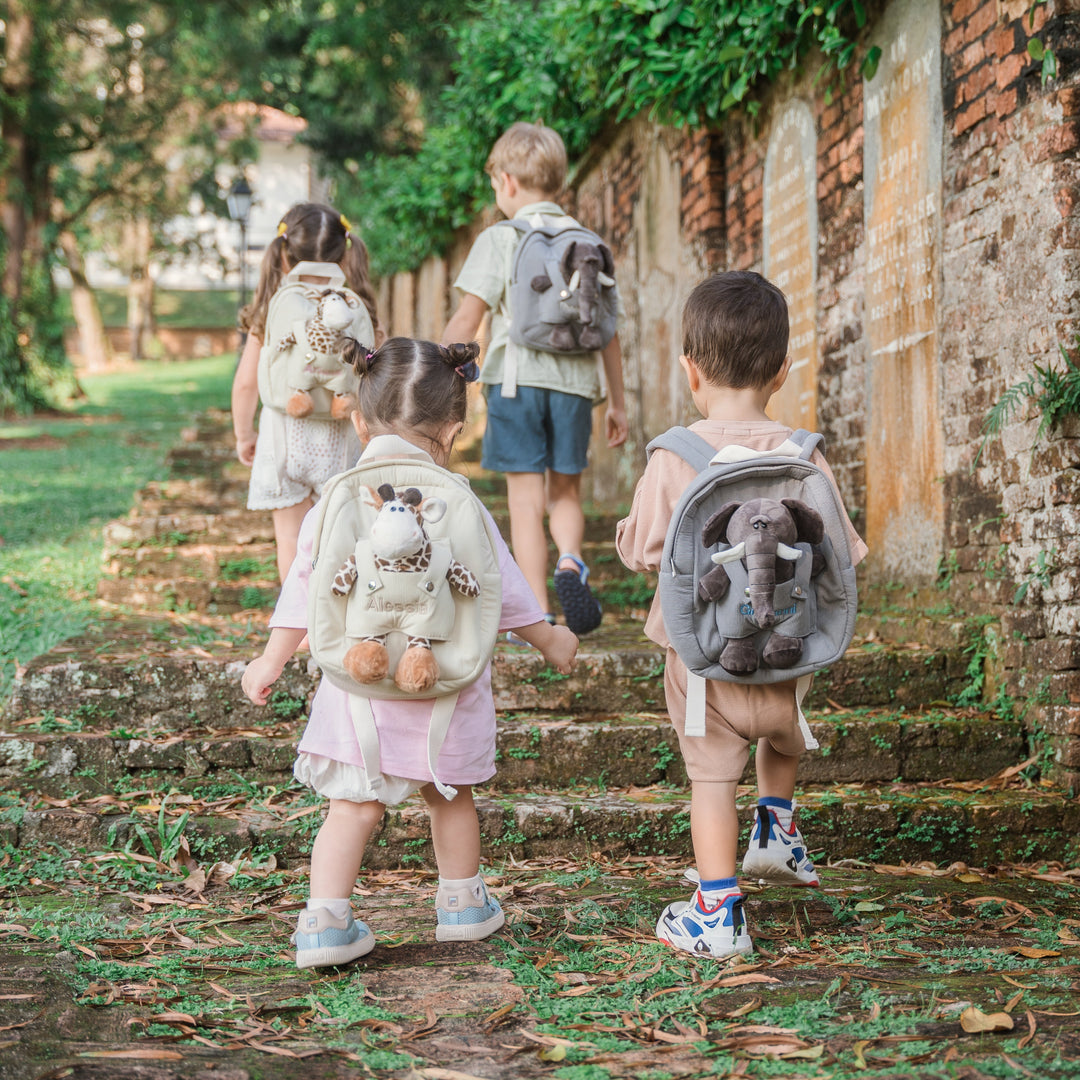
[(409, 386), (735, 329), (310, 232)]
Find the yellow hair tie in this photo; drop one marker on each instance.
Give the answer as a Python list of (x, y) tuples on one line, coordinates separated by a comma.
[(282, 228), (345, 223)]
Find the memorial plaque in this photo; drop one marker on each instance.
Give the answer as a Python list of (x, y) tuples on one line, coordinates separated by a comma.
[(791, 236), (902, 115)]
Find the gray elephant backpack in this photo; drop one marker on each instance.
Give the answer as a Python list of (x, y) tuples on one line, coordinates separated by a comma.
[(405, 593), (300, 371), (562, 286), (756, 581)]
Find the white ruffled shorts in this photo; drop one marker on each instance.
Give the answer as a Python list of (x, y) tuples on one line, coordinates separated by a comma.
[(338, 780)]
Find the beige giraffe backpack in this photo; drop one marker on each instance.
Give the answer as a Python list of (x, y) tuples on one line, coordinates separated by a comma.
[(301, 372), (405, 593)]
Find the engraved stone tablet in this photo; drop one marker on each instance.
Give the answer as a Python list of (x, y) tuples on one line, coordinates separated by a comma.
[(902, 115), (791, 235)]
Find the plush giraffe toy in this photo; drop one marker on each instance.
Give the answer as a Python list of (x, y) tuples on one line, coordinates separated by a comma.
[(322, 363), (407, 575)]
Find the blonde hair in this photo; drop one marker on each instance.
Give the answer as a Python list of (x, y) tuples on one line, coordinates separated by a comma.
[(310, 232), (531, 153)]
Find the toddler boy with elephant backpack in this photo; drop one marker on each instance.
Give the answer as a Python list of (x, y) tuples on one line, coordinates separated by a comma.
[(741, 518)]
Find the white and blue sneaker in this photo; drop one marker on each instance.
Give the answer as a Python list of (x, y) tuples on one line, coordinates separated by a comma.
[(777, 853), (324, 940), (466, 914), (696, 928)]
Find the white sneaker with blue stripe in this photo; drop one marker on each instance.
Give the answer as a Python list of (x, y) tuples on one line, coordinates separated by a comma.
[(697, 928), (777, 853), (465, 916), (324, 940)]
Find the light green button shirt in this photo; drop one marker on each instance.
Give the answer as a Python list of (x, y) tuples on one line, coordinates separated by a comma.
[(486, 274)]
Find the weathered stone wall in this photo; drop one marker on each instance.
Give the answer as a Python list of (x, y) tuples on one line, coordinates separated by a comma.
[(982, 209)]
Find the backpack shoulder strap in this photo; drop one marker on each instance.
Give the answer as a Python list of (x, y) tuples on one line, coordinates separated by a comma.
[(690, 446), (807, 441), (517, 224)]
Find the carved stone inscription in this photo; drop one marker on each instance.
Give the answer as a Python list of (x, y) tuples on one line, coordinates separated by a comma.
[(791, 234), (902, 202)]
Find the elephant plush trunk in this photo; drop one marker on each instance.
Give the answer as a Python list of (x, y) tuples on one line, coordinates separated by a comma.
[(587, 290), (761, 570)]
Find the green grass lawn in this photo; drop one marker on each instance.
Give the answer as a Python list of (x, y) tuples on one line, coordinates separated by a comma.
[(63, 477), (178, 308)]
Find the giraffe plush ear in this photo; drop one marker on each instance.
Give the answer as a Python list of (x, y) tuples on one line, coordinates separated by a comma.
[(433, 509)]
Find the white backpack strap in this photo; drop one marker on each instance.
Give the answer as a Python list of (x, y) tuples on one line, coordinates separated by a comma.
[(802, 686), (694, 725), (367, 735), (442, 712)]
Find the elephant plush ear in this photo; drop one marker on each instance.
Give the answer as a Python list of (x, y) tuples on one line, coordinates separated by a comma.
[(809, 528), (607, 261), (567, 263), (716, 527)]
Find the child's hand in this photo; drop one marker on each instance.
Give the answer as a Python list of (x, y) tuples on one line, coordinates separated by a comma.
[(258, 677), (245, 450), (560, 650)]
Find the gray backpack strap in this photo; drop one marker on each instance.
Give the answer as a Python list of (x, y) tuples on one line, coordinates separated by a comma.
[(690, 446), (516, 224), (809, 441)]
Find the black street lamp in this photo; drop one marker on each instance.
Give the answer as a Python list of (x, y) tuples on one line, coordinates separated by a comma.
[(239, 203)]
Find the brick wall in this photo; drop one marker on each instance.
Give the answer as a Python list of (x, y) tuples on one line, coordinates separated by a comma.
[(677, 205)]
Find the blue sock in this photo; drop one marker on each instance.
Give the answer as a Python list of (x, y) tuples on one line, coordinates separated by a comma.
[(775, 803), (719, 885)]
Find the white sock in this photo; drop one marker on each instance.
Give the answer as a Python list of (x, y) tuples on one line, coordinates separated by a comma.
[(340, 909), (474, 884)]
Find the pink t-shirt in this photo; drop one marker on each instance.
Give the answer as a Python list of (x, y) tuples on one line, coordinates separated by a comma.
[(468, 753), (639, 538)]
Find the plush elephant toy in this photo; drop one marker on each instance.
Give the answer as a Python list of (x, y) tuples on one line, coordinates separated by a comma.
[(584, 268), (762, 534)]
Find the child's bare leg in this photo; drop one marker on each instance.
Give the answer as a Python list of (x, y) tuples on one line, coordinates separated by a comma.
[(464, 910), (525, 496), (714, 828), (339, 848), (455, 832), (775, 771), (286, 530), (566, 518)]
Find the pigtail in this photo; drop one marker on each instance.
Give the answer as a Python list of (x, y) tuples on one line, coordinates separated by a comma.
[(358, 277), (359, 357), (253, 317)]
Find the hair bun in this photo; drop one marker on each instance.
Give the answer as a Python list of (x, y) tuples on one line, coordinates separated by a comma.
[(462, 353), (360, 357)]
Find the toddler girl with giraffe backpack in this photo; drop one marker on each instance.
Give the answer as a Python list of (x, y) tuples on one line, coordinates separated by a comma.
[(402, 584), (314, 294)]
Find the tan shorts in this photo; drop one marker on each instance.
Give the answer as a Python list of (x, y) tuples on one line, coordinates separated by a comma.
[(735, 716)]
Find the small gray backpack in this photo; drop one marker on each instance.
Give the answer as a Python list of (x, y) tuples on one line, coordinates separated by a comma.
[(748, 516), (562, 286)]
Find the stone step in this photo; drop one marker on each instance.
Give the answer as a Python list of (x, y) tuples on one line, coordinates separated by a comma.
[(62, 756), (870, 823), (133, 682), (188, 594)]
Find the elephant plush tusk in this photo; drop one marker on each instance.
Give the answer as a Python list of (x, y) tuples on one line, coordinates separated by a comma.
[(575, 281), (605, 279), (785, 552), (737, 552)]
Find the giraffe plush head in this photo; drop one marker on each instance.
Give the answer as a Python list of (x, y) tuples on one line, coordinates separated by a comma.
[(399, 531), (333, 314)]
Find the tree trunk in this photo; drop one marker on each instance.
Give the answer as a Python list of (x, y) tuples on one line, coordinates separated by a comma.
[(15, 186), (93, 340), (140, 289)]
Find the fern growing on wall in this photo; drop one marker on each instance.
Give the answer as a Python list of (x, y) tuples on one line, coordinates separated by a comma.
[(1054, 391)]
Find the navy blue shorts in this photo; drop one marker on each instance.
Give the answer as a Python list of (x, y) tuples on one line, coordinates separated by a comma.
[(537, 430)]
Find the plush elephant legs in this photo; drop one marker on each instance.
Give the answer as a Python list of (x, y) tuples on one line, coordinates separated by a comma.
[(740, 657), (782, 651)]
